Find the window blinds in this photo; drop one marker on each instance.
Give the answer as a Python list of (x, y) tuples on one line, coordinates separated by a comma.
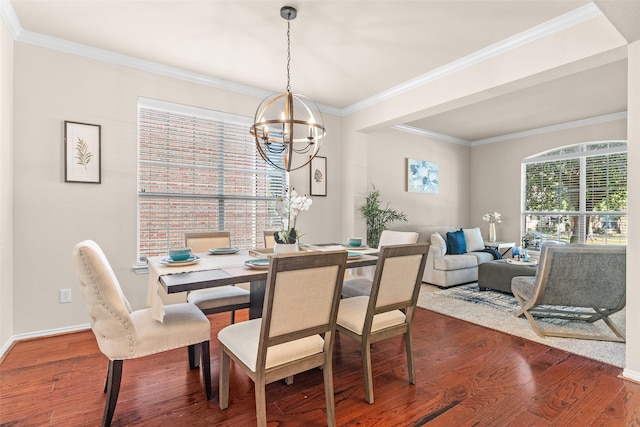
[(578, 192), (198, 170)]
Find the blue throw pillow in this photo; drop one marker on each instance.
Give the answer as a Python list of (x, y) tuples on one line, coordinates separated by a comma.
[(456, 244)]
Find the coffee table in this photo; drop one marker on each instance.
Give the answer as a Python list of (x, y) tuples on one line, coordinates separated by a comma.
[(497, 275)]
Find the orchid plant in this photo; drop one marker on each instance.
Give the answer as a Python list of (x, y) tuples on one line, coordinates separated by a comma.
[(289, 207), (492, 217)]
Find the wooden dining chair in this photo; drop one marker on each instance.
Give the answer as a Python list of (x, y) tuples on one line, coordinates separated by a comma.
[(222, 298), (269, 239), (388, 310), (296, 331), (359, 284), (122, 333), (204, 240)]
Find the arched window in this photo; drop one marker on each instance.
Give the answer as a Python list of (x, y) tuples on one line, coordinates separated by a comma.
[(576, 194)]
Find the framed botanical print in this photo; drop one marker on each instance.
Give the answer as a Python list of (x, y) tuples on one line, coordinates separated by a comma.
[(82, 152), (318, 176)]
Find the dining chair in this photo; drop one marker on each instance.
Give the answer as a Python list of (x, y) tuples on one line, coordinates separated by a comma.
[(359, 284), (388, 310), (222, 298), (296, 331), (269, 240), (124, 334)]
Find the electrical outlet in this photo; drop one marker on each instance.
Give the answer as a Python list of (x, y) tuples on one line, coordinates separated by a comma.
[(65, 295)]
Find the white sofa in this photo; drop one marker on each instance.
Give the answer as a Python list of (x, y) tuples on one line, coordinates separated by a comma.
[(449, 270)]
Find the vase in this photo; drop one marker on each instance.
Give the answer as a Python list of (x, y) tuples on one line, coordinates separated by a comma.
[(285, 248), (492, 231)]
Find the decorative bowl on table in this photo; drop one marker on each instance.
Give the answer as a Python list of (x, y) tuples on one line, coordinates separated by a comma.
[(179, 254), (355, 241)]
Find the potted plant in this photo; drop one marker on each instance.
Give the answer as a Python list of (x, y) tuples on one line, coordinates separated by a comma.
[(289, 207), (377, 218)]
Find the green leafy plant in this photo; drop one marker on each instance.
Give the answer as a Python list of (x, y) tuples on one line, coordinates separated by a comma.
[(83, 155), (377, 218)]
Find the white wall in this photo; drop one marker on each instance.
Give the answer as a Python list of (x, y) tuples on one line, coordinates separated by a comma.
[(6, 184), (495, 171), (388, 151), (632, 368), (51, 215)]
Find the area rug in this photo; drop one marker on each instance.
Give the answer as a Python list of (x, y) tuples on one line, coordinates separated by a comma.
[(495, 310)]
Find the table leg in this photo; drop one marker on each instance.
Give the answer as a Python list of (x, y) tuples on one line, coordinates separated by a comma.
[(256, 298)]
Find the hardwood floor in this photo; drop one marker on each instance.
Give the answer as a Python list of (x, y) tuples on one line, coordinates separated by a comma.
[(467, 375)]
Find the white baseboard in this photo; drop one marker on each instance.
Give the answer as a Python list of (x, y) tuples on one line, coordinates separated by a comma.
[(41, 334), (631, 375)]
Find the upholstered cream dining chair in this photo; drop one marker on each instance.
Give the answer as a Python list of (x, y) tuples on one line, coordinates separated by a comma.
[(395, 287), (359, 284), (122, 333), (296, 331), (222, 298)]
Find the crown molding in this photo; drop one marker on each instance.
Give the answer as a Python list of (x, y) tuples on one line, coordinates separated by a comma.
[(10, 18), (531, 132), (553, 128), (552, 26), (559, 23), (431, 134)]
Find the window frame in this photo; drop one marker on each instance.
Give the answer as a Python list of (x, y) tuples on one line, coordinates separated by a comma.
[(261, 195), (582, 152)]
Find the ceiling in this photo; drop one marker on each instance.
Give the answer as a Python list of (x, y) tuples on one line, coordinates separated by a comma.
[(342, 52)]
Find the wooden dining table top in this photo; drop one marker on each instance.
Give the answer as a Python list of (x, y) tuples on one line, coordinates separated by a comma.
[(213, 270), (219, 270)]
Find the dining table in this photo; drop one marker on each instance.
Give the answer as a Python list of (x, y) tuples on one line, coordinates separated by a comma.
[(170, 282)]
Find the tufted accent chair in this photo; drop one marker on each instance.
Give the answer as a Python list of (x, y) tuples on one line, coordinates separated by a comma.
[(122, 333)]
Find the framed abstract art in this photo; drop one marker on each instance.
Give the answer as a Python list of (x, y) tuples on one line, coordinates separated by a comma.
[(422, 176)]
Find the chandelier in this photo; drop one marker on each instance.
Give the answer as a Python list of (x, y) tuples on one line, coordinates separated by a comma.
[(288, 128)]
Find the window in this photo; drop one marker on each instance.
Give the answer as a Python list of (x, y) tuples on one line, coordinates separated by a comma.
[(576, 194), (198, 170)]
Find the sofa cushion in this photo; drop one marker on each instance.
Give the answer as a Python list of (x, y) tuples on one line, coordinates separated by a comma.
[(455, 243), (424, 231), (438, 242), (455, 262), (482, 256), (473, 239)]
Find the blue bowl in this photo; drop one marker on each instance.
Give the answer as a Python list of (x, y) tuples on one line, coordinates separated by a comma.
[(355, 241), (179, 254)]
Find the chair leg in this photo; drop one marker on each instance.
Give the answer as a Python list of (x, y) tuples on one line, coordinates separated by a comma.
[(327, 372), (194, 356), (366, 366), (233, 317), (409, 350), (261, 402), (113, 388), (106, 381), (223, 387), (206, 368)]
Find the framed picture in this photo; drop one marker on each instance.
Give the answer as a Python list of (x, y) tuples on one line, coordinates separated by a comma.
[(318, 176), (422, 176), (81, 152)]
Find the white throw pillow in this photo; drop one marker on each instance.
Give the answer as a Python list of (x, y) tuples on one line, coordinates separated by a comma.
[(473, 239), (438, 242)]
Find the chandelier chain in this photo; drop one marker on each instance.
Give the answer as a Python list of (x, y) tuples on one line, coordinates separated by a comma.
[(288, 56)]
